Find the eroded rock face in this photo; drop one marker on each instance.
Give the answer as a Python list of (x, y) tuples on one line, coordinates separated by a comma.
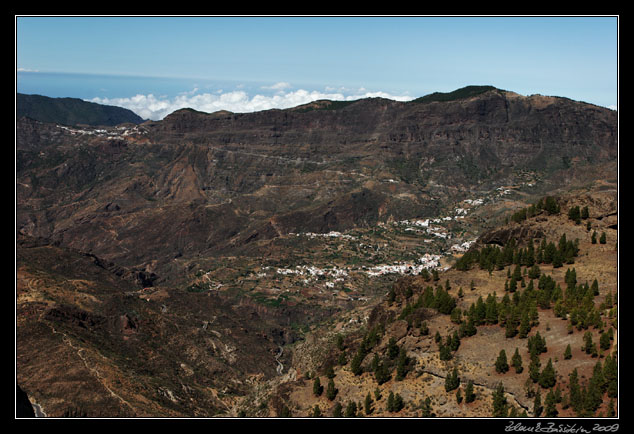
[(502, 236), (197, 183)]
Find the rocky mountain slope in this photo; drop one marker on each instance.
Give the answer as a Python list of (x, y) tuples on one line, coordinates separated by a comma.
[(222, 181), (72, 111), (411, 345), (173, 266)]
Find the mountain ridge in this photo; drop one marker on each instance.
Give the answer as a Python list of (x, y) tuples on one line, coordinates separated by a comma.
[(72, 111)]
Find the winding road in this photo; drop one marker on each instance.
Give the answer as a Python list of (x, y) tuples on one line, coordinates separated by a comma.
[(280, 366)]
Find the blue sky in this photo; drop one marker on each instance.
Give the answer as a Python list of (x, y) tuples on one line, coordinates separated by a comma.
[(281, 60)]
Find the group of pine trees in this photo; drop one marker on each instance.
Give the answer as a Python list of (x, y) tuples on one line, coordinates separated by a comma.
[(548, 204), (577, 214), (493, 257), (526, 289)]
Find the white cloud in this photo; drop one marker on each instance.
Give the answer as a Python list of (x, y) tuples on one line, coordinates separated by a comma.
[(238, 101), (278, 86)]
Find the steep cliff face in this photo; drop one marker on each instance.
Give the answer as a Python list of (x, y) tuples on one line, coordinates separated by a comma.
[(197, 182), (516, 129)]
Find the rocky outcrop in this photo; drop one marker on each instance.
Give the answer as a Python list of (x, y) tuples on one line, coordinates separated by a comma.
[(23, 407), (521, 234)]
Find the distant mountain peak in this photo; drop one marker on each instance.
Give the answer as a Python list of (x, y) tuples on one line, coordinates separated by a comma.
[(72, 111), (462, 93)]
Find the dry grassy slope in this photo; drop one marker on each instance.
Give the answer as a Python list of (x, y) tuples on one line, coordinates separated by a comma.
[(476, 356)]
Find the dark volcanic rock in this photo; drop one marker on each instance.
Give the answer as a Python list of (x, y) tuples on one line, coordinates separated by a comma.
[(502, 236), (23, 407)]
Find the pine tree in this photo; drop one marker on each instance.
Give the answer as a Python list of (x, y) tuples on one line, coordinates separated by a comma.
[(340, 343), (547, 378), (382, 373), (398, 403), (491, 310), (575, 397), (593, 396), (337, 410), (585, 213), (367, 405), (316, 411), (512, 287), (525, 325), (424, 328), (391, 296), (551, 405), (351, 409), (343, 359), (588, 344), (317, 387), (537, 404), (355, 363), (574, 214), (426, 408), (568, 353), (285, 412), (392, 348), (455, 341), (456, 315), (501, 364), (377, 394), (469, 393), (500, 406), (534, 272), (511, 326), (610, 373), (516, 361), (533, 368), (452, 381), (331, 390), (604, 341), (459, 397), (445, 352), (401, 366), (602, 240)]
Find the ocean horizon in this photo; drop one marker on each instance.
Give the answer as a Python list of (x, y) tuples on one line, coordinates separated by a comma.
[(156, 97)]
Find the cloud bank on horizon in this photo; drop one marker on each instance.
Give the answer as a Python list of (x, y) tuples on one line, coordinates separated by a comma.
[(150, 106)]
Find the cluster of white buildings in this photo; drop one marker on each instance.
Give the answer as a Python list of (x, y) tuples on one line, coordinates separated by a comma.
[(331, 234), (114, 133), (426, 262), (460, 248)]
